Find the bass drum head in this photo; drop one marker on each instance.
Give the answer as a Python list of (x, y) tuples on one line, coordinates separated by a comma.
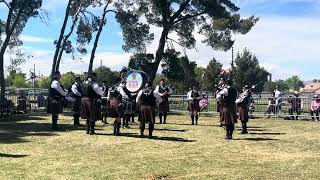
[(134, 81)]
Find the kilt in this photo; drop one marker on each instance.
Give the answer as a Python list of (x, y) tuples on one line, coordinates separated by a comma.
[(55, 105), (147, 114), (193, 106), (76, 105), (105, 107), (116, 109), (128, 108), (228, 114), (90, 109), (243, 113), (164, 106)]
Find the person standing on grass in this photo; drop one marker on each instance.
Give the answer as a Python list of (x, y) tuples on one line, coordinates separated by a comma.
[(315, 107), (243, 107), (147, 100), (193, 98), (163, 108), (76, 93), (55, 100), (227, 96), (91, 105)]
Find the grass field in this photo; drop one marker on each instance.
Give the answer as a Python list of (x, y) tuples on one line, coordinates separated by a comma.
[(274, 149)]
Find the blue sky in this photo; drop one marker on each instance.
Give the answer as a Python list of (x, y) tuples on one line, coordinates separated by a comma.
[(285, 40)]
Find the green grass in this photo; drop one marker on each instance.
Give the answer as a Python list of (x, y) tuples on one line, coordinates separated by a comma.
[(275, 149)]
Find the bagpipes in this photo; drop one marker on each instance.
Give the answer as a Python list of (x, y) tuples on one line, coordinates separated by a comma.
[(246, 94)]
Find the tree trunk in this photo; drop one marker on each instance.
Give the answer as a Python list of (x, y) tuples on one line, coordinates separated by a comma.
[(65, 39), (159, 53), (2, 82), (93, 52), (63, 28)]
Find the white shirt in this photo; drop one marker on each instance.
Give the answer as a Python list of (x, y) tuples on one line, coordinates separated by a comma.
[(99, 90), (57, 86), (74, 89), (277, 93), (157, 90), (156, 95), (189, 98), (121, 91)]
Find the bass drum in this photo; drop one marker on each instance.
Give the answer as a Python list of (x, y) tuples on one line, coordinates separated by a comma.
[(136, 80)]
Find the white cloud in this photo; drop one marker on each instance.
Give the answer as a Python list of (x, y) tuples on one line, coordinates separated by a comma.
[(33, 39), (276, 41)]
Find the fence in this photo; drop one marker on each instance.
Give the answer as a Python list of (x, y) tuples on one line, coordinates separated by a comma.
[(34, 100), (24, 101), (262, 106)]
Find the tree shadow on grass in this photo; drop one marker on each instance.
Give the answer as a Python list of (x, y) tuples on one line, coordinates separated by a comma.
[(189, 124), (134, 135), (255, 139), (16, 129), (3, 155), (266, 133), (172, 130)]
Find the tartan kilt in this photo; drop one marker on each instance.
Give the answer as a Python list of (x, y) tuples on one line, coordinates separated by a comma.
[(193, 106), (243, 113), (90, 109), (129, 108), (55, 105), (147, 113), (116, 109), (164, 106), (105, 107), (228, 114), (76, 105)]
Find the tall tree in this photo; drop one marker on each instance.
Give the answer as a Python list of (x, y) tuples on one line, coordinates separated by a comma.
[(211, 74), (77, 10), (105, 75), (249, 72), (142, 62), (179, 70), (19, 12), (215, 20), (294, 83)]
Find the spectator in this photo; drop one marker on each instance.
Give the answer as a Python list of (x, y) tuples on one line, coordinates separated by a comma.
[(295, 105), (315, 107), (41, 101), (203, 103)]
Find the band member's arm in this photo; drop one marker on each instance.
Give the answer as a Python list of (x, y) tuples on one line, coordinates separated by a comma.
[(139, 96), (75, 91), (109, 95), (56, 85), (158, 97), (157, 91), (121, 91), (189, 98), (99, 90)]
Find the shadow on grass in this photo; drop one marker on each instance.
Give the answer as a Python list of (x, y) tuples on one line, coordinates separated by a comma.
[(256, 139), (12, 155), (188, 124), (266, 133), (173, 130), (16, 129), (134, 135)]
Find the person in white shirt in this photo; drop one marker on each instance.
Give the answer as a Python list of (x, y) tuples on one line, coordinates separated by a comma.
[(193, 98), (76, 93), (147, 99), (163, 107), (55, 101), (91, 105)]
